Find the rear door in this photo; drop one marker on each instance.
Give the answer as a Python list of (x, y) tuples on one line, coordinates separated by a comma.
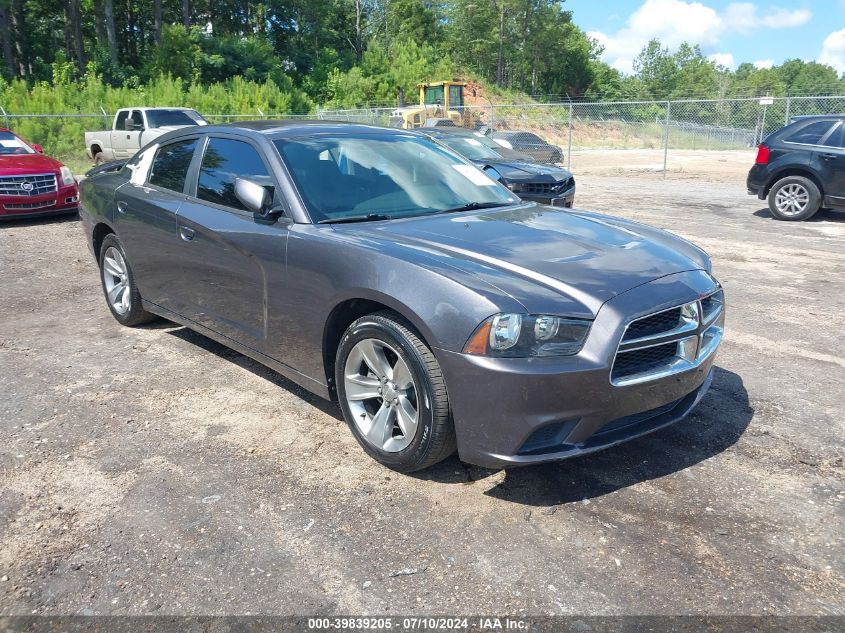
[(831, 163), (230, 259), (145, 216)]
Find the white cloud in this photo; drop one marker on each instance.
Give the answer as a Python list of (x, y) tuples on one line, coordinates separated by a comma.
[(670, 21), (833, 50), (785, 19), (676, 21), (723, 59), (764, 63)]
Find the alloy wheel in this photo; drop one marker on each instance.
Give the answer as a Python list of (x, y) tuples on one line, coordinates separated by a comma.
[(116, 281), (381, 394), (792, 199)]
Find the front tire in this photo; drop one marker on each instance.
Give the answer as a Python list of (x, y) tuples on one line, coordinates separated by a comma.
[(794, 198), (118, 282), (392, 393)]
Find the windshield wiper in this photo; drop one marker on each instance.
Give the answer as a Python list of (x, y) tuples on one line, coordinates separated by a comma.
[(473, 206), (357, 218)]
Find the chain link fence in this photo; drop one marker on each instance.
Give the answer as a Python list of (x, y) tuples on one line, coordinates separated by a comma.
[(619, 135), (663, 133)]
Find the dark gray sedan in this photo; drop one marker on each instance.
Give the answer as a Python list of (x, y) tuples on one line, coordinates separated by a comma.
[(377, 268)]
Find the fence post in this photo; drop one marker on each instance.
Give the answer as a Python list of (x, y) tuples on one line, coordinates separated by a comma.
[(788, 105), (666, 137), (569, 145), (105, 116), (5, 117), (260, 113)]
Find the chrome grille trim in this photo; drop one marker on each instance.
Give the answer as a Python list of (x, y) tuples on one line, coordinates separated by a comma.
[(40, 184), (696, 338), (30, 205)]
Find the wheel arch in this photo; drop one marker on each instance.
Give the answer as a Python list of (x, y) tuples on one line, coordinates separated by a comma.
[(350, 308), (794, 171), (101, 229)]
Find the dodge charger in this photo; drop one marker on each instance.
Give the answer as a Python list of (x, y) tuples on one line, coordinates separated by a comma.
[(382, 270)]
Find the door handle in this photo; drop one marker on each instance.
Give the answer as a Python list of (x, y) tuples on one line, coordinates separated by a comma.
[(121, 207), (128, 136), (827, 156), (186, 233)]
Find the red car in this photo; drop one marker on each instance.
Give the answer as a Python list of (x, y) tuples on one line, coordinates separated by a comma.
[(31, 183)]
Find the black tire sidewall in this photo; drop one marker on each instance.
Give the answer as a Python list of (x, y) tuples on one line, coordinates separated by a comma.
[(409, 458), (136, 313), (813, 205)]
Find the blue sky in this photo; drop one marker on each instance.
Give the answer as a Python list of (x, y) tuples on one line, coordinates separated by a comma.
[(730, 31)]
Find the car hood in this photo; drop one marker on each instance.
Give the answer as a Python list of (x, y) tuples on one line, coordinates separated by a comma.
[(514, 170), (14, 164), (533, 251)]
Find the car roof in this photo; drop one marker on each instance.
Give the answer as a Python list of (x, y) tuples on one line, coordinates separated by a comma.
[(285, 128), (816, 117), (450, 131)]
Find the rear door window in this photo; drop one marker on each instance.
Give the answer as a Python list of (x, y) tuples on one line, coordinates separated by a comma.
[(224, 162), (810, 134), (171, 164)]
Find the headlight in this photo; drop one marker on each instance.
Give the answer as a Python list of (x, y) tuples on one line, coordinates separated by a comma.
[(67, 176), (523, 335), (516, 187)]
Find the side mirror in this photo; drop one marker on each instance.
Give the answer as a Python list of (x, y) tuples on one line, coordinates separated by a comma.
[(38, 148), (131, 126), (254, 197)]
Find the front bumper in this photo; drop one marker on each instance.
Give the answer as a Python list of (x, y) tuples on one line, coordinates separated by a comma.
[(502, 405), (65, 200)]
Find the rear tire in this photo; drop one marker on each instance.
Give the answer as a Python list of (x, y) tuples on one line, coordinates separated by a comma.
[(118, 282), (99, 158), (794, 198), (392, 394)]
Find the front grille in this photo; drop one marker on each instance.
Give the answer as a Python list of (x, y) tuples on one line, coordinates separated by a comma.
[(644, 359), (29, 185), (669, 341), (711, 305), (558, 186), (31, 205), (654, 324)]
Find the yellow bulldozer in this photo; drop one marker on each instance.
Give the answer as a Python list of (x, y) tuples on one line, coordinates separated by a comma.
[(441, 103)]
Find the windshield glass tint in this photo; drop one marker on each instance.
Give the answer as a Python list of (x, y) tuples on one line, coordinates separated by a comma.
[(469, 147), (163, 118), (391, 174), (11, 144)]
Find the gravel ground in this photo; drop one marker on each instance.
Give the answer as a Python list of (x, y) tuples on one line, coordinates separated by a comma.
[(153, 471)]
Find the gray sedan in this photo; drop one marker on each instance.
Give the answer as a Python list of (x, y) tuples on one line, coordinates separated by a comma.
[(377, 268)]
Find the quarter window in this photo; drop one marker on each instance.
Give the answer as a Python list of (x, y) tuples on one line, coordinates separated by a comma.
[(837, 139), (810, 134), (171, 163), (224, 162)]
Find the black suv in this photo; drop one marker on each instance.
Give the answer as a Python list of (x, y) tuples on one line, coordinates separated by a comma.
[(801, 167)]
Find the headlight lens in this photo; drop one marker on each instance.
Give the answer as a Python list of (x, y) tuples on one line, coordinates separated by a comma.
[(523, 335), (67, 176)]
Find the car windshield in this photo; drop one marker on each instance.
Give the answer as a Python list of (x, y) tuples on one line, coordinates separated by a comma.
[(11, 144), (470, 148), (353, 176), (164, 118)]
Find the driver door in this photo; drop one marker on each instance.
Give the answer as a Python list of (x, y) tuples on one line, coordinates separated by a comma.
[(231, 261), (127, 141)]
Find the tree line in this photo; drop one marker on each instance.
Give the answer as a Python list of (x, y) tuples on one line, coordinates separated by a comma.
[(347, 53)]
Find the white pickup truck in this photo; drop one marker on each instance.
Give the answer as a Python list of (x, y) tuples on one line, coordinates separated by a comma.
[(135, 127)]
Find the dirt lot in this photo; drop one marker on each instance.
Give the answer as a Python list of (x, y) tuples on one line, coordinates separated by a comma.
[(153, 471)]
